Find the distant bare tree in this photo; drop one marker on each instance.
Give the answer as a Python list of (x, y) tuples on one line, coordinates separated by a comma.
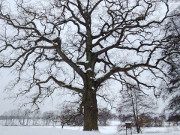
[(69, 116), (24, 117), (80, 45), (135, 106), (48, 117), (103, 116), (36, 116)]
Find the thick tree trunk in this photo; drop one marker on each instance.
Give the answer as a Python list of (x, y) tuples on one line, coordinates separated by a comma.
[(90, 111)]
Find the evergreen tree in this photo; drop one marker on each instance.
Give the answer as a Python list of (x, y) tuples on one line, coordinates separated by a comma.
[(173, 60)]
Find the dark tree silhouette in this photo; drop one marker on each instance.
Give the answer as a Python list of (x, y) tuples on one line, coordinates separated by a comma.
[(172, 54)]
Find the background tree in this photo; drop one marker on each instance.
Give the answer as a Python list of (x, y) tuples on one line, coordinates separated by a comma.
[(175, 119), (172, 53), (69, 116), (25, 117), (36, 116), (48, 118), (135, 106), (79, 46), (103, 116)]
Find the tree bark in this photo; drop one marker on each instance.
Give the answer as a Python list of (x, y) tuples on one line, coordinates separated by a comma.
[(138, 128), (90, 111)]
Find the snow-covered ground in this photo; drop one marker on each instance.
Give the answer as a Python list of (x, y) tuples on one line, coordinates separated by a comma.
[(109, 130)]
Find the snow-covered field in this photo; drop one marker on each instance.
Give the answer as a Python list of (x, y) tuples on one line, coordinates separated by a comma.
[(109, 130)]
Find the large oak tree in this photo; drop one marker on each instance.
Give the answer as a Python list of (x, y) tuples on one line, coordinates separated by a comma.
[(81, 44)]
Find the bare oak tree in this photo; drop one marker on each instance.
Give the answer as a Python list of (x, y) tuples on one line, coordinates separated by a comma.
[(79, 45)]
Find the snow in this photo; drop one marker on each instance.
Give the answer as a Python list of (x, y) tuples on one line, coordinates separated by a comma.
[(108, 130), (89, 69)]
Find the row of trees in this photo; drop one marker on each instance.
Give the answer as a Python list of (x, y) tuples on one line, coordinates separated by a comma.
[(50, 118), (80, 46), (143, 118)]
